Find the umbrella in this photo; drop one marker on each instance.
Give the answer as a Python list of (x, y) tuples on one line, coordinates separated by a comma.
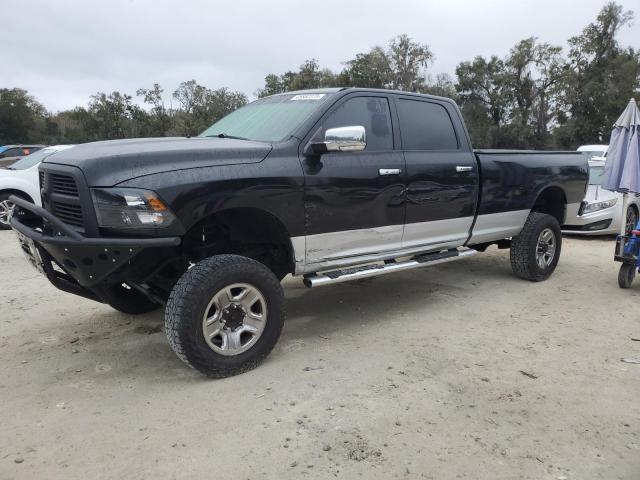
[(622, 170)]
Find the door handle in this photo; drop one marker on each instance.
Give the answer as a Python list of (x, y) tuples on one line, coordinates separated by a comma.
[(460, 169), (389, 171)]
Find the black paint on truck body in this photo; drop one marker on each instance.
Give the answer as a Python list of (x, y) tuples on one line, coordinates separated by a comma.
[(309, 194)]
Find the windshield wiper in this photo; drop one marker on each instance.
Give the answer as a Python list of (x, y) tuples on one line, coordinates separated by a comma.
[(224, 135)]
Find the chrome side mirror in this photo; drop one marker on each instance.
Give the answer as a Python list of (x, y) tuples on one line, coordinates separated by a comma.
[(341, 139)]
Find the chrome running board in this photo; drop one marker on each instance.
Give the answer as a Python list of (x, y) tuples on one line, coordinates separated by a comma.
[(373, 270)]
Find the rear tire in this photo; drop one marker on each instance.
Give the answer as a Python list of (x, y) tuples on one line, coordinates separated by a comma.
[(536, 250), (210, 319), (127, 300), (626, 275)]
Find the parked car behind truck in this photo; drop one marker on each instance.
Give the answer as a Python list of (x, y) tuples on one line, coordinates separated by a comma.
[(12, 153), (21, 179), (603, 212), (328, 185), (593, 151)]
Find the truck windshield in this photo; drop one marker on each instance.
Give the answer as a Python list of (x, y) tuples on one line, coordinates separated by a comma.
[(269, 119), (595, 175)]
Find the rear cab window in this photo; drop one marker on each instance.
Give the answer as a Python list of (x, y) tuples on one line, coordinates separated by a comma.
[(425, 125)]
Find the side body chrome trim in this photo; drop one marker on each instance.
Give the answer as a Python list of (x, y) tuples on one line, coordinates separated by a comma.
[(353, 247), (496, 226), (325, 247), (320, 252), (439, 234)]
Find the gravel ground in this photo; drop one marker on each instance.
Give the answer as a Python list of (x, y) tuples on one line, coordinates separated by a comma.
[(458, 371)]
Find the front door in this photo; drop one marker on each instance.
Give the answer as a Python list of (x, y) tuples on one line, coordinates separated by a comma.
[(441, 175), (354, 200)]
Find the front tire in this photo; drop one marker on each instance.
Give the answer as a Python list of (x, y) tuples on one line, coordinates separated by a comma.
[(536, 250), (626, 275), (225, 315)]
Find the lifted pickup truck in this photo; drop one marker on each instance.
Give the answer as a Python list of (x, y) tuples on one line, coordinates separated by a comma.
[(328, 185)]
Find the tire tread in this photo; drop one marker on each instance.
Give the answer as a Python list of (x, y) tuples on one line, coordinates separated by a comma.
[(182, 307), (520, 253)]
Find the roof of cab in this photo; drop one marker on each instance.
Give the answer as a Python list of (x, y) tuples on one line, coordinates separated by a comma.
[(371, 90)]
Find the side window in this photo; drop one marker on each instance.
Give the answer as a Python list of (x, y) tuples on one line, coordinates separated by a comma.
[(13, 152), (425, 126), (372, 113)]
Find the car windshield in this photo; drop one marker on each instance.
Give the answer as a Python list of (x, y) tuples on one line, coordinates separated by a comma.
[(31, 160), (270, 119), (595, 175)]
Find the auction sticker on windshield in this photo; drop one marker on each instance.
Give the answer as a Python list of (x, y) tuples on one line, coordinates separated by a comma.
[(308, 96)]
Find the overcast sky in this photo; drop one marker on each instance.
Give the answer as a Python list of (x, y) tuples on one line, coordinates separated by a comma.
[(62, 51)]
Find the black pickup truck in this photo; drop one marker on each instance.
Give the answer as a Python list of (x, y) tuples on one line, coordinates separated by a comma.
[(329, 185)]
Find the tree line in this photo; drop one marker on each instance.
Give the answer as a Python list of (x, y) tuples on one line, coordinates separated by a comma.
[(538, 96)]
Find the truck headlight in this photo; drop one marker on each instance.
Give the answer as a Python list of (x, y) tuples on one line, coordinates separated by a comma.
[(594, 207), (130, 208)]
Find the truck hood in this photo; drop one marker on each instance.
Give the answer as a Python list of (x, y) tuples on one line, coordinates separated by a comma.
[(108, 163)]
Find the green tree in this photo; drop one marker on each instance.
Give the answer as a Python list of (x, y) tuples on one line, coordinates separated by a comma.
[(442, 85), (309, 75), (368, 70), (408, 62), (482, 88), (115, 116), (402, 65), (601, 79), (22, 118), (200, 107), (159, 116), (533, 76)]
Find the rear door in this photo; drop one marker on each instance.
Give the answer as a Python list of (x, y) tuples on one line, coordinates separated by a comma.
[(354, 200), (441, 174)]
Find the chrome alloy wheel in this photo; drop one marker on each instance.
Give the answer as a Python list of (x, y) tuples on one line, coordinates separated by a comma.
[(546, 248), (6, 209), (234, 319)]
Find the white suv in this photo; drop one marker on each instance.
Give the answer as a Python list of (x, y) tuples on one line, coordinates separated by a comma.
[(21, 179)]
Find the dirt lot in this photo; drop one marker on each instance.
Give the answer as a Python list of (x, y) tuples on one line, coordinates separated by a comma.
[(414, 375)]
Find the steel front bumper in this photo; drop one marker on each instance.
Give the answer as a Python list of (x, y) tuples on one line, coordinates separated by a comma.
[(84, 262)]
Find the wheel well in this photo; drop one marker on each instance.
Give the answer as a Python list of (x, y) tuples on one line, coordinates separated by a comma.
[(552, 201), (249, 232), (17, 193)]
